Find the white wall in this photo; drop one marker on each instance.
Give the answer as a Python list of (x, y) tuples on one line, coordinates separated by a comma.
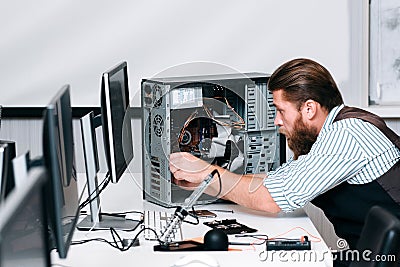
[(45, 44)]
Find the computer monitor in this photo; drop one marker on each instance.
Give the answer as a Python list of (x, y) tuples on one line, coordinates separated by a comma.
[(61, 195), (23, 226), (7, 154), (117, 131), (118, 146), (20, 166)]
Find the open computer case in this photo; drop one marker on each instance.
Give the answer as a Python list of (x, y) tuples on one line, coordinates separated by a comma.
[(226, 120)]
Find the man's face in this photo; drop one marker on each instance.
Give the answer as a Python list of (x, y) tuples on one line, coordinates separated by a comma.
[(287, 115), (289, 119)]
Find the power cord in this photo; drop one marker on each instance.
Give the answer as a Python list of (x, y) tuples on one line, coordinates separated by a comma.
[(102, 186), (316, 239), (194, 216), (219, 180), (118, 243), (262, 237)]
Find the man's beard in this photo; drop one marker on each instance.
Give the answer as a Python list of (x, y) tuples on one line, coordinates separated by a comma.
[(301, 139)]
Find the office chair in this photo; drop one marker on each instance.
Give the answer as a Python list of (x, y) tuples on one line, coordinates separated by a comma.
[(380, 235)]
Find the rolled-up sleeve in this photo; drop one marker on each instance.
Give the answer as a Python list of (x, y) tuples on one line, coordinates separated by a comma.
[(299, 181), (275, 183)]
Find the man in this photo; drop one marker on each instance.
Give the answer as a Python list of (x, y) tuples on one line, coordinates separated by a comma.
[(342, 161)]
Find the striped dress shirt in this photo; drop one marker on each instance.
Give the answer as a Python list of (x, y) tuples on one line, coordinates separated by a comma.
[(349, 150)]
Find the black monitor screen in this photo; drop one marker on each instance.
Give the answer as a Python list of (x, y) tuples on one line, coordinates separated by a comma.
[(58, 153), (117, 131), (23, 226)]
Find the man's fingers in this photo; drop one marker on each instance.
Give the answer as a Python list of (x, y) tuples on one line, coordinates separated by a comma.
[(172, 168), (177, 176), (184, 184)]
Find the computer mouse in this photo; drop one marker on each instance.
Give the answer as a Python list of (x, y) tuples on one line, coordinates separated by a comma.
[(196, 260), (216, 239)]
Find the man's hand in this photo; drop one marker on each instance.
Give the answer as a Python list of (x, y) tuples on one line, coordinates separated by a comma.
[(246, 190), (187, 169)]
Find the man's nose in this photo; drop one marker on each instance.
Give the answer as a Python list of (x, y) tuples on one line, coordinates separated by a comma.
[(278, 121)]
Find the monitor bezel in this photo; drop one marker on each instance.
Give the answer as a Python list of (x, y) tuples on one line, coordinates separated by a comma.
[(54, 191), (18, 199), (107, 121), (7, 173)]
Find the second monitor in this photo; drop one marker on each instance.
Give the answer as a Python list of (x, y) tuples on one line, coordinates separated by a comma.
[(117, 131), (117, 139)]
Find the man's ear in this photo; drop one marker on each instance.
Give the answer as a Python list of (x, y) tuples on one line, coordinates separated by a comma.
[(310, 109)]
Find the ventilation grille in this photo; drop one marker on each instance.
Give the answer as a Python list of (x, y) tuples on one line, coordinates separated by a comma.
[(251, 106), (271, 111), (157, 96), (155, 185)]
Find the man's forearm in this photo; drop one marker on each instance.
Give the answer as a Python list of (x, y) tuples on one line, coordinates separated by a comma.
[(247, 190)]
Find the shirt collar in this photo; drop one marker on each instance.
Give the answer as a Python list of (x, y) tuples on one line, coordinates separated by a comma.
[(332, 115)]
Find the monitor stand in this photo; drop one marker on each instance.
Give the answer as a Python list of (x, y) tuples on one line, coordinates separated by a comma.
[(97, 221), (106, 222)]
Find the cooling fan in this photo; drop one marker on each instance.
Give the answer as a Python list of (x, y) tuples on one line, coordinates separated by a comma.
[(158, 125)]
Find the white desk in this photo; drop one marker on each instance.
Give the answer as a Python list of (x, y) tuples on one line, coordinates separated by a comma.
[(101, 254)]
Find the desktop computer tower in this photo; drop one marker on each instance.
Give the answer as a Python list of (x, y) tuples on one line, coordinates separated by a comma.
[(226, 120)]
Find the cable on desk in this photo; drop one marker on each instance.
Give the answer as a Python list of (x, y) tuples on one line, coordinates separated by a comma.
[(114, 234), (117, 242), (262, 237), (316, 238), (116, 238), (194, 216), (80, 242), (257, 236)]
